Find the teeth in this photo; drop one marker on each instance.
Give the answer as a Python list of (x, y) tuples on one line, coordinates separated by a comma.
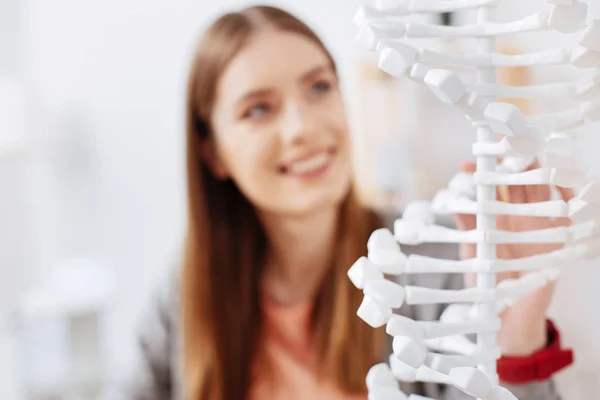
[(310, 165)]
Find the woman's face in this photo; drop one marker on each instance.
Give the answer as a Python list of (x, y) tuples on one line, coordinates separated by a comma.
[(279, 125)]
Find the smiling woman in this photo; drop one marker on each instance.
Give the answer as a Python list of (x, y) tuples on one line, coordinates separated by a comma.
[(273, 219), (279, 125), (262, 307)]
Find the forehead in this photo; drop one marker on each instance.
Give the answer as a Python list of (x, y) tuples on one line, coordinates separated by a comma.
[(270, 58)]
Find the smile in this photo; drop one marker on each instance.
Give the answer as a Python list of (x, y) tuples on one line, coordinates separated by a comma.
[(310, 166)]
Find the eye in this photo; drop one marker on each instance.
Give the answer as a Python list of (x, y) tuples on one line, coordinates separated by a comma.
[(256, 111), (321, 87)]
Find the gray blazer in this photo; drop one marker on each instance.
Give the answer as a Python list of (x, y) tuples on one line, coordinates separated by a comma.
[(157, 374)]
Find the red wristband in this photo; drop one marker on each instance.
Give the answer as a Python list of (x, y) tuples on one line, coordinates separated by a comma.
[(540, 365)]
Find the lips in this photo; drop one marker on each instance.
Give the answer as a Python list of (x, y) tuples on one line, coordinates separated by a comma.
[(309, 164)]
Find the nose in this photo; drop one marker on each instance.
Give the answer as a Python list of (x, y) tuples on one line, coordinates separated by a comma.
[(298, 124)]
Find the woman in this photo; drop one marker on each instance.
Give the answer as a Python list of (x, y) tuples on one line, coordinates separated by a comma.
[(262, 307)]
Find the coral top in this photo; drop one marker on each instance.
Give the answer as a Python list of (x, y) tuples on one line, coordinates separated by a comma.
[(287, 346)]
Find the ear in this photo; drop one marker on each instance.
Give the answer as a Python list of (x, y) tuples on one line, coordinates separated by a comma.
[(209, 153)]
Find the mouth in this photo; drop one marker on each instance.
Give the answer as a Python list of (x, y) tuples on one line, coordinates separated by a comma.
[(311, 165)]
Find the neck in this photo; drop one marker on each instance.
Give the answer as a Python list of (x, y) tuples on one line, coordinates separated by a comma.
[(301, 249)]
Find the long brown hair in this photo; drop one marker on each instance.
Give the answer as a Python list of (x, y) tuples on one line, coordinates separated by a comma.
[(225, 246)]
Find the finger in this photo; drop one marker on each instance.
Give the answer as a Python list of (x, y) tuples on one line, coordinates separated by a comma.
[(502, 193), (465, 222), (562, 221), (566, 193), (537, 193), (534, 165), (503, 222), (517, 193), (502, 276)]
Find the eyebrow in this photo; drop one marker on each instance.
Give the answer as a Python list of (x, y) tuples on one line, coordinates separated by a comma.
[(315, 71), (264, 91), (254, 93)]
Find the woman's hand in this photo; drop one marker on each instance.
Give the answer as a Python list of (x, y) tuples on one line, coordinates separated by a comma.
[(524, 324)]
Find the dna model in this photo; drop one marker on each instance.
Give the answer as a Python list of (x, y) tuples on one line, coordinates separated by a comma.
[(439, 351)]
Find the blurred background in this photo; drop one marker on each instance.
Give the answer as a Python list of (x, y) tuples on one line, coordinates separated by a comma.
[(92, 196)]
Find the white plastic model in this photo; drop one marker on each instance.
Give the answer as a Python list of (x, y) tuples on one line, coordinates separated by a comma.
[(418, 345)]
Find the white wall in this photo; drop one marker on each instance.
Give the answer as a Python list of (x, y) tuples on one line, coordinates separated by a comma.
[(111, 76)]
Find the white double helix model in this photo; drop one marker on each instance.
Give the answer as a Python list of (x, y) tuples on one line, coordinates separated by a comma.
[(421, 349)]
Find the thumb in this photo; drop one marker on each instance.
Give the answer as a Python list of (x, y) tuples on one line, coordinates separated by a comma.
[(465, 222), (467, 166)]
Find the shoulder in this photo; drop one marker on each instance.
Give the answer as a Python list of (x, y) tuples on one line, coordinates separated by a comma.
[(164, 300), (159, 324), (155, 372)]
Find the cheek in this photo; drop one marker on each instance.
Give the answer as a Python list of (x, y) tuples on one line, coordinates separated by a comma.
[(251, 164), (334, 118)]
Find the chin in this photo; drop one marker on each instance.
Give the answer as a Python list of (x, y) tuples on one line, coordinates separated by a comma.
[(315, 200)]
